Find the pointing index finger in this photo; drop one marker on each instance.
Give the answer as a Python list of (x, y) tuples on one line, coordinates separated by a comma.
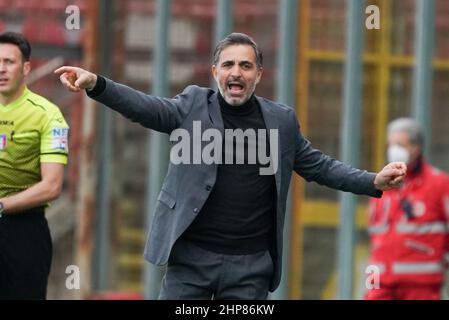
[(64, 69)]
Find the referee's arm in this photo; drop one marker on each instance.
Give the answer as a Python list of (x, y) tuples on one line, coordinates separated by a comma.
[(39, 194)]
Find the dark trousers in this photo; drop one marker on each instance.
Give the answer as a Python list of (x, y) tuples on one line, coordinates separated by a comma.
[(25, 255), (196, 273)]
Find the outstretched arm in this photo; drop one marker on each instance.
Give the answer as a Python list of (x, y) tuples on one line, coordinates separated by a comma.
[(313, 165), (160, 114)]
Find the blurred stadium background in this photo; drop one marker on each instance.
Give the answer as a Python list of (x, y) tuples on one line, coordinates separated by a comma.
[(109, 163)]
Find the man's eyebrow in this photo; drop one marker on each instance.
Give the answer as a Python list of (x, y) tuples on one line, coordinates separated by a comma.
[(240, 62)]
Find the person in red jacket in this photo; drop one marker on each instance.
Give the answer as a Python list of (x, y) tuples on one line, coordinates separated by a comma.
[(409, 226)]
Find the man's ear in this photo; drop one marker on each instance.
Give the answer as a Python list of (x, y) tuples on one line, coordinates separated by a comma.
[(259, 75), (214, 71), (26, 68)]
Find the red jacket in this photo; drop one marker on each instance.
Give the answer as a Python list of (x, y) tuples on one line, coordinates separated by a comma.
[(409, 229)]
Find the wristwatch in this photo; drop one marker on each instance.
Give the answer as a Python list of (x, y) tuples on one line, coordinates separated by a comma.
[(2, 208)]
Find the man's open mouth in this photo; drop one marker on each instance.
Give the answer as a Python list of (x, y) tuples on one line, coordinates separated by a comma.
[(235, 87)]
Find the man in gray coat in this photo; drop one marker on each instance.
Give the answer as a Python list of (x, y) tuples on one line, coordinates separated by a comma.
[(219, 220)]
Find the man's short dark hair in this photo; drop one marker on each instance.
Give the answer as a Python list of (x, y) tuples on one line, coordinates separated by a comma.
[(236, 39), (18, 40)]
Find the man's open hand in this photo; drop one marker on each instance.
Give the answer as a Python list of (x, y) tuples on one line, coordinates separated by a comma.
[(391, 176), (76, 79)]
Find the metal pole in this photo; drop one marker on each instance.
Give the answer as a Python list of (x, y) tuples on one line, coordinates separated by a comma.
[(223, 23), (158, 143), (424, 45), (104, 164), (286, 94), (350, 137), (85, 206)]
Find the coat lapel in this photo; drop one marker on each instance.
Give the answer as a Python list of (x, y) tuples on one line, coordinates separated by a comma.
[(272, 123), (215, 113)]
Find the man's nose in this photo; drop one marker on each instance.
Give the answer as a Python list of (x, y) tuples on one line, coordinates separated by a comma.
[(236, 72)]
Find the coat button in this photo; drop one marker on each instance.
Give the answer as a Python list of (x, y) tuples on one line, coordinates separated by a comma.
[(195, 210), (208, 188)]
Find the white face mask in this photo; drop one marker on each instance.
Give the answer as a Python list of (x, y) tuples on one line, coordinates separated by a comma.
[(396, 153)]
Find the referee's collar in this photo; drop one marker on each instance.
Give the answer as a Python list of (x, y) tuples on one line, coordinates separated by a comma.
[(18, 101)]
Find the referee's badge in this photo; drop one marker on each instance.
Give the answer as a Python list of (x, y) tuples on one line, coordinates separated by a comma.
[(3, 140), (60, 138)]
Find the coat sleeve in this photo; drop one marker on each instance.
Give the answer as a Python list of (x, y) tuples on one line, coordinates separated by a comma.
[(313, 165), (160, 114)]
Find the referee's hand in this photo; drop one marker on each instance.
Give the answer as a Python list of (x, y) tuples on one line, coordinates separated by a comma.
[(76, 79)]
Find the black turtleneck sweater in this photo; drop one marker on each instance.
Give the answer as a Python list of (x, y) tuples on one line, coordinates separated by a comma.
[(238, 217)]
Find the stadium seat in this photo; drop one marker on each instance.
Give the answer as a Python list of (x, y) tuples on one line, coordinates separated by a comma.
[(4, 5), (54, 33), (56, 6), (30, 30), (21, 5), (51, 32), (82, 4)]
